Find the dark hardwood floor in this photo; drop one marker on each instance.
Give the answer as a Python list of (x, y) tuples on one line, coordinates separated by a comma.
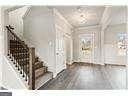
[(86, 77), (5, 94), (116, 76)]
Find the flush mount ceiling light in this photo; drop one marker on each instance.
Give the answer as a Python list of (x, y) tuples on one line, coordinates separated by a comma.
[(83, 18), (81, 14), (84, 14), (79, 9), (83, 9), (83, 22)]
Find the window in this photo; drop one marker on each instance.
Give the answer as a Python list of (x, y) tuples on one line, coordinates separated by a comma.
[(122, 44), (86, 43)]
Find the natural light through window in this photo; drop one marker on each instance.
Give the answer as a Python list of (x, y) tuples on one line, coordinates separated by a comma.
[(122, 44)]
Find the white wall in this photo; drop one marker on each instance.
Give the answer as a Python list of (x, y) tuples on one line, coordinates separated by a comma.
[(67, 32), (115, 18), (118, 15), (127, 51), (63, 32), (127, 31), (3, 51), (69, 49), (15, 19), (111, 50), (86, 30), (10, 78), (1, 46), (39, 31), (105, 21), (110, 44)]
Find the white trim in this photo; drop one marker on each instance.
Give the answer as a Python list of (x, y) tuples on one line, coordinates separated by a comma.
[(61, 16), (22, 83), (106, 14), (27, 12), (117, 24), (88, 27), (11, 8)]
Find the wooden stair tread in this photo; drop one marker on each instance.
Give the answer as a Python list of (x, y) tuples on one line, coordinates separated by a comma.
[(40, 72), (38, 65), (43, 79), (36, 59)]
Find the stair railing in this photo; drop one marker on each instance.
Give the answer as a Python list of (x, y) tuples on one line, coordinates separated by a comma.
[(25, 64)]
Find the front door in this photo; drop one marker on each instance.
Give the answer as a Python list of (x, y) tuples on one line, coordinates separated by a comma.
[(86, 48)]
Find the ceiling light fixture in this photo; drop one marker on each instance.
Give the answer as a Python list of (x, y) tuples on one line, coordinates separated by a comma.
[(83, 21), (79, 9), (82, 15), (83, 18)]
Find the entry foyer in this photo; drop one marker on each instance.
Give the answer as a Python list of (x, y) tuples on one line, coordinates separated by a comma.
[(64, 47)]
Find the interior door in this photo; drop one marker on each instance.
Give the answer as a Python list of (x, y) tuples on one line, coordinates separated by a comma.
[(60, 51)]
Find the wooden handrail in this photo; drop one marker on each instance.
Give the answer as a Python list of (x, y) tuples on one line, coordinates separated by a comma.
[(10, 30)]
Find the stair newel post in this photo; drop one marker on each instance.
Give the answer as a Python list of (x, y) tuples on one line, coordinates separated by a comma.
[(31, 68)]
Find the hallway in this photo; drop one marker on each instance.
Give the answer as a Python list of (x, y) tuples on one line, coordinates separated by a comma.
[(87, 77)]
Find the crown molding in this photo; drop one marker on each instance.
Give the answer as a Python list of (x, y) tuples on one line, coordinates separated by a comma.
[(88, 27)]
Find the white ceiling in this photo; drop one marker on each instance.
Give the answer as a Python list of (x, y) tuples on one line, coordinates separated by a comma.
[(119, 15), (92, 14)]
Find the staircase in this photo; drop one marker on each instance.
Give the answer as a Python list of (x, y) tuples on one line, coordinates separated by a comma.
[(24, 59)]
